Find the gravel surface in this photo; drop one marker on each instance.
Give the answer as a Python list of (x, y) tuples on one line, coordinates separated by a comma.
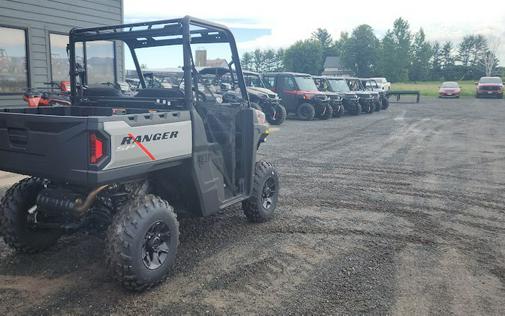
[(398, 212)]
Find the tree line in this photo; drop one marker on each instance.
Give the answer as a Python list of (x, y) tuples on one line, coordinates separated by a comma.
[(400, 55)]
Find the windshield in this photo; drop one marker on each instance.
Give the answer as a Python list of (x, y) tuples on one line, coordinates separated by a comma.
[(338, 85), (354, 84), (490, 80), (253, 80), (305, 83), (449, 85), (371, 84)]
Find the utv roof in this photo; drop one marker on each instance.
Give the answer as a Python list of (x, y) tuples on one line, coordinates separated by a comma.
[(221, 71), (288, 73), (156, 33)]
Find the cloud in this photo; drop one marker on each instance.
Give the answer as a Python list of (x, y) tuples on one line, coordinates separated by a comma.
[(291, 21)]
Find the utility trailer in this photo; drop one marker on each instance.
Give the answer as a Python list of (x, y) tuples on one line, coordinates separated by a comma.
[(131, 165)]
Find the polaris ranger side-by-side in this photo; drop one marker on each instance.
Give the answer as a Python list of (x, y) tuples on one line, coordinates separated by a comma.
[(371, 85), (129, 164), (299, 95), (336, 97), (350, 100), (367, 99)]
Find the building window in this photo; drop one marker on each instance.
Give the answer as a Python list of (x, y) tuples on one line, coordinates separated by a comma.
[(13, 62), (59, 58), (100, 62)]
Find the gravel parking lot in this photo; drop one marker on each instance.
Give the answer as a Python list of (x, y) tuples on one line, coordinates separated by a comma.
[(397, 212)]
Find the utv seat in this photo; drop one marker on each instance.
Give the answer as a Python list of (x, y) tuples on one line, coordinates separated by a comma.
[(102, 92)]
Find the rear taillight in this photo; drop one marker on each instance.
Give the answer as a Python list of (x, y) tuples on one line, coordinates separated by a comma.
[(96, 148), (260, 116), (65, 86)]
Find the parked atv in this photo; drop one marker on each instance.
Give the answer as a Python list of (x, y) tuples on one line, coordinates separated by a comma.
[(367, 99), (262, 98), (299, 95), (56, 93), (371, 85), (131, 165)]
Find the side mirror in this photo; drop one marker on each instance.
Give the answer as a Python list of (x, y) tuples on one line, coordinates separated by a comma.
[(476, 83)]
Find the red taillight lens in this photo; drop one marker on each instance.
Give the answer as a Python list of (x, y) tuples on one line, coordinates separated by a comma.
[(96, 148), (65, 86)]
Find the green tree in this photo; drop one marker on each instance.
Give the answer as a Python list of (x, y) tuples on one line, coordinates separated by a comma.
[(436, 62), (396, 51), (421, 55), (263, 60), (472, 50), (247, 61), (448, 58), (360, 51), (304, 56), (323, 37)]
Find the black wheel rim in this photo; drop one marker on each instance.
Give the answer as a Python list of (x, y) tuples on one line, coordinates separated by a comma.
[(268, 193), (156, 245)]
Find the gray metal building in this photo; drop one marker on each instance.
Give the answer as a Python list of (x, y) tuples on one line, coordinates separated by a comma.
[(33, 41)]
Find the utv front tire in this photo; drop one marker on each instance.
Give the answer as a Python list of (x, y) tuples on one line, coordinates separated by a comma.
[(141, 243), (279, 116), (305, 112), (260, 206), (339, 111), (325, 113), (18, 233), (385, 103), (357, 109)]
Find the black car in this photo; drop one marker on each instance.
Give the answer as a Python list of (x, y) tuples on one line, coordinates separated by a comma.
[(299, 95)]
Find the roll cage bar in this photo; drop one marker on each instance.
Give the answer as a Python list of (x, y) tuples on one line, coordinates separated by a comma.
[(161, 33)]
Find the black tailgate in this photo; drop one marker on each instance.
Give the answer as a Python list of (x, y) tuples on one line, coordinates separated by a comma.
[(44, 146)]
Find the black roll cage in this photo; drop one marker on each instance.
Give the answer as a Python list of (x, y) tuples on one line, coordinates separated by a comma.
[(161, 33)]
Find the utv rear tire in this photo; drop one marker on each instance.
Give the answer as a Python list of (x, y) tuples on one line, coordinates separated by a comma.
[(14, 218), (327, 114), (305, 112), (279, 117), (260, 206), (141, 243), (370, 108)]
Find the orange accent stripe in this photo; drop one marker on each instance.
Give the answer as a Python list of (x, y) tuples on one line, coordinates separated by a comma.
[(142, 147)]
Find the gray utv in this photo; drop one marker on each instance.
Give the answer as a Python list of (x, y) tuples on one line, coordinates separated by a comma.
[(350, 100), (382, 102), (367, 99), (131, 165)]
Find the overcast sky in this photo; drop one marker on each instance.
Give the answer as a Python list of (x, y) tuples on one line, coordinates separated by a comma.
[(274, 24)]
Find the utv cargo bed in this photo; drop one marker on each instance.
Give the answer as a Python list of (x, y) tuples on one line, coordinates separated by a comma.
[(91, 146)]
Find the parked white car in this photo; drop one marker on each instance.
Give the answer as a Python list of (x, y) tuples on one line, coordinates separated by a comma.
[(383, 83)]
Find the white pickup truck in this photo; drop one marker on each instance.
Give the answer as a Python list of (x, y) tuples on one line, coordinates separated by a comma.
[(383, 83)]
